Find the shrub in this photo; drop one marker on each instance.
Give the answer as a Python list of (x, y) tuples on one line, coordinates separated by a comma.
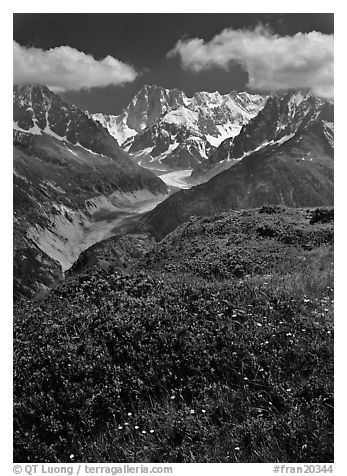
[(322, 215)]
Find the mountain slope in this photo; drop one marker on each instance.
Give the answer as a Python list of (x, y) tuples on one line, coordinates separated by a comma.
[(67, 170), (295, 173), (283, 115)]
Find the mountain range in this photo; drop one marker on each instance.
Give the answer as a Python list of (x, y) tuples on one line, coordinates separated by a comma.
[(283, 114), (74, 185), (284, 156), (164, 129)]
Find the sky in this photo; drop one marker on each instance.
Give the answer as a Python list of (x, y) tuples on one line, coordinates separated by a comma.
[(99, 61)]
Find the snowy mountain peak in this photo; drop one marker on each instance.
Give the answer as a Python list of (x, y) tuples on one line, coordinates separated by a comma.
[(39, 111), (209, 113), (197, 124)]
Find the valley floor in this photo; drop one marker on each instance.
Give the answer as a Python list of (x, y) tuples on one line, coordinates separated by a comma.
[(109, 221), (66, 240)]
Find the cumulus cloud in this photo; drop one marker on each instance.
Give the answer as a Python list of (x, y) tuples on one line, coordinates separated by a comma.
[(65, 68), (273, 62)]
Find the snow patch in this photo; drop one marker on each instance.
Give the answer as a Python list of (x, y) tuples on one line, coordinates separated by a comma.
[(35, 130), (85, 148), (72, 152), (214, 141), (181, 116), (116, 126), (168, 151)]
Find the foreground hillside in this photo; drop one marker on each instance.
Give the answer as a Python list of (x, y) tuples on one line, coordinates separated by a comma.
[(215, 346)]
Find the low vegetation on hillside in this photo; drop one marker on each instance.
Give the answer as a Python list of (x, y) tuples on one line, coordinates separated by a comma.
[(216, 346)]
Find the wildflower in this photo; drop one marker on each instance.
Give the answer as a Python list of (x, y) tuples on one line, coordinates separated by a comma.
[(289, 334), (258, 324), (266, 342), (237, 448), (72, 456), (129, 414), (120, 427), (126, 423), (151, 431), (245, 378), (143, 432), (203, 411), (192, 412), (172, 397), (136, 427)]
